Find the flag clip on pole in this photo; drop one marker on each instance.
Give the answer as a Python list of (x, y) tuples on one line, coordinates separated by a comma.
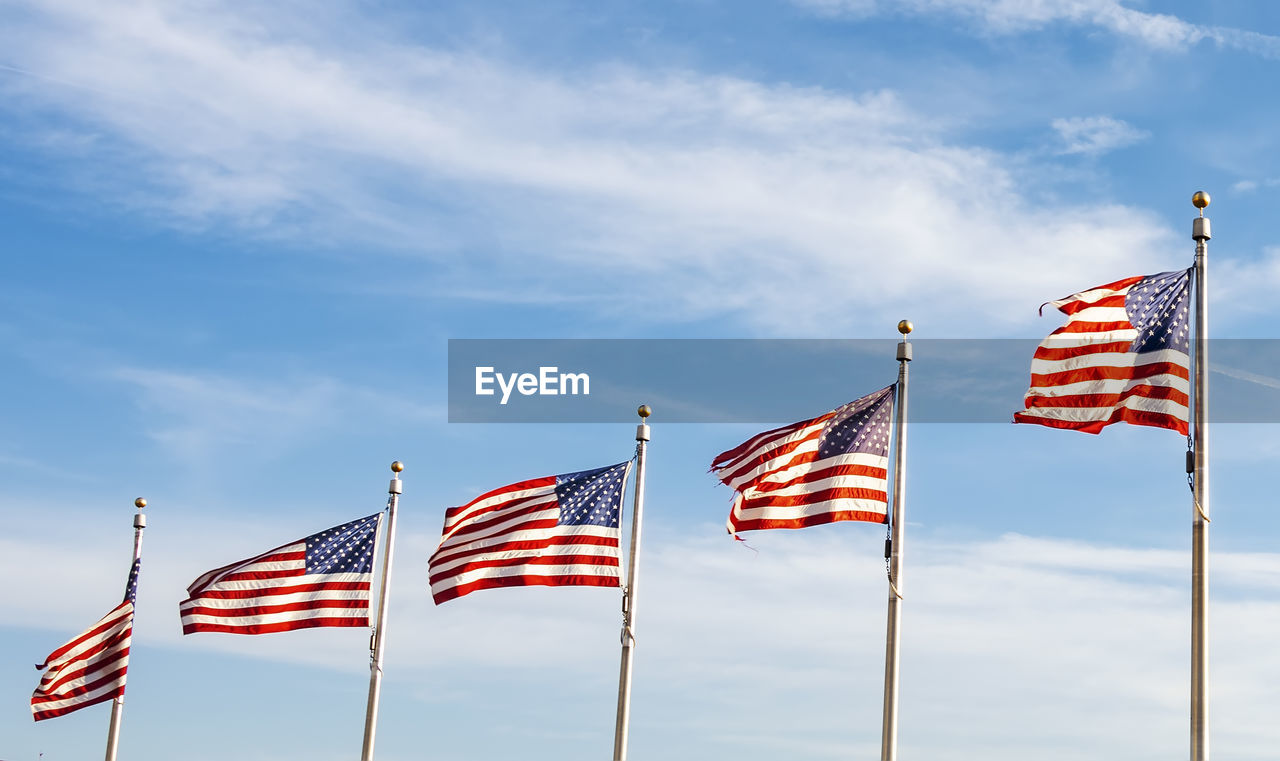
[(893, 631), (1200, 493), (622, 725), (117, 704), (380, 628)]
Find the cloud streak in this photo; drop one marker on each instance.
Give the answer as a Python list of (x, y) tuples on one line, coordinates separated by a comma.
[(1008, 642), (743, 199), (1003, 17)]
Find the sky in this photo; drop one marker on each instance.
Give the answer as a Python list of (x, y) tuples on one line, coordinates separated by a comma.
[(236, 240)]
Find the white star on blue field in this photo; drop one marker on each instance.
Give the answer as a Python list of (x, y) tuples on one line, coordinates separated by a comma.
[(235, 240)]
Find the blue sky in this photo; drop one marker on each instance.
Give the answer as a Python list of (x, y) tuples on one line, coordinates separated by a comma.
[(237, 239)]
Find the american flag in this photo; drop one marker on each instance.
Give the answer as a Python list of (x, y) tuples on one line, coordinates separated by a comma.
[(831, 468), (1123, 356), (553, 531), (322, 580), (91, 668)]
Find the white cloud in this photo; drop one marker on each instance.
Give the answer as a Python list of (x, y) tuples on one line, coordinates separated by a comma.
[(795, 210), (1016, 647), (1095, 135), (193, 415), (1158, 30)]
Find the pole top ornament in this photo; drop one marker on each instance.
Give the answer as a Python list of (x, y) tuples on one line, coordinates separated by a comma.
[(905, 327), (1200, 199), (397, 466), (644, 411), (140, 502)]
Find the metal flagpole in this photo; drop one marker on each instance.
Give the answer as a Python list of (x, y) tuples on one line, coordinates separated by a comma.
[(380, 628), (117, 705), (1199, 469), (893, 634), (629, 595)]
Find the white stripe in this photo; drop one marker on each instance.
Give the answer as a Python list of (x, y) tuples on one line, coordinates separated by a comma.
[(275, 618), (1089, 414), (526, 535), (485, 506), (270, 599), (266, 585), (775, 461), (1099, 314), (1093, 295), (786, 475), (538, 570), (795, 512), (51, 705), (597, 550), (501, 526), (1109, 386), (118, 620), (835, 482)]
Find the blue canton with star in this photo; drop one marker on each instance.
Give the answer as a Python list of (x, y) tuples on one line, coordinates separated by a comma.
[(343, 549), (860, 426), (1158, 307), (592, 497), (131, 586)]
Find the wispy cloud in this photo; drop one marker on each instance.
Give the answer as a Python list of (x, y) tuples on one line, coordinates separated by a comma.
[(734, 198), (1007, 640), (1095, 135), (1158, 30), (193, 415)]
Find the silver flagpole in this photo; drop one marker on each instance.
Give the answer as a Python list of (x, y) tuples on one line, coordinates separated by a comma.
[(117, 705), (1199, 467), (893, 634), (622, 725), (380, 628)]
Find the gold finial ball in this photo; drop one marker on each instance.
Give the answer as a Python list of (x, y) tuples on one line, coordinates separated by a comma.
[(397, 466), (140, 502), (1200, 199), (644, 411), (905, 327)]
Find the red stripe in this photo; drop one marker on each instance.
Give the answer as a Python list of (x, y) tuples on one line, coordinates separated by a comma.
[(50, 692), (1103, 401), (263, 610), (108, 621), (756, 524), (780, 458), (527, 545), (245, 594), (1109, 300), (730, 458), (831, 471), (575, 580), (1121, 415), (603, 561), (464, 530), (815, 497), (1084, 326), (1084, 349), (287, 573), (1108, 372), (532, 483), (1105, 300), (283, 626), (64, 710)]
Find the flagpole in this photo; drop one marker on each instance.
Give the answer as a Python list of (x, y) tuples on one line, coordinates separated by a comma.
[(1200, 495), (117, 705), (380, 628), (893, 633), (622, 726)]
